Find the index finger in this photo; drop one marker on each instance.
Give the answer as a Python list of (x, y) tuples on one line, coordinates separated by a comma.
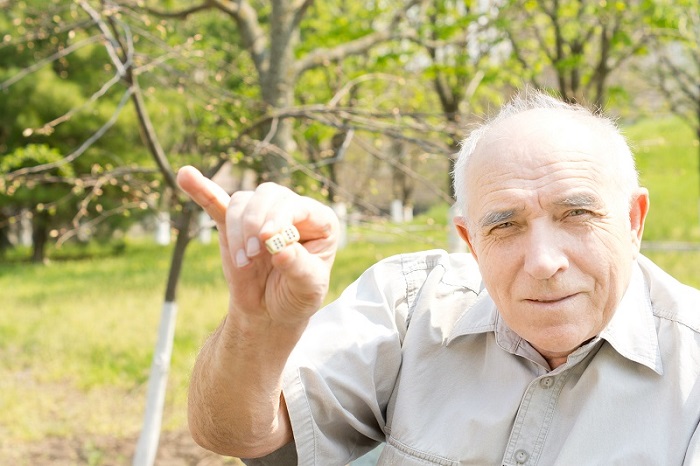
[(209, 195)]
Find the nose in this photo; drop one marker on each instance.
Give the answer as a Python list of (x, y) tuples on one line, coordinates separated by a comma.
[(545, 251)]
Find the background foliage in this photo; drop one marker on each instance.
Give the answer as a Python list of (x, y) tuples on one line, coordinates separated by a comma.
[(354, 102)]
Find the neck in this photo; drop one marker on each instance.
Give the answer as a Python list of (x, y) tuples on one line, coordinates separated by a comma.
[(555, 361)]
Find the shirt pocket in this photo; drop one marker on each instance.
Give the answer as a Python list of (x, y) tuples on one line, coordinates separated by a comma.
[(397, 453)]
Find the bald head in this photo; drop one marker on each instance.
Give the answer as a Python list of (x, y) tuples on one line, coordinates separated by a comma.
[(536, 125)]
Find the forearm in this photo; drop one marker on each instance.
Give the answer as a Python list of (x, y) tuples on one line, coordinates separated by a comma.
[(235, 402)]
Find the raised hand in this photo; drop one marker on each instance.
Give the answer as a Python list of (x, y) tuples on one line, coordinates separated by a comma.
[(236, 405), (287, 287)]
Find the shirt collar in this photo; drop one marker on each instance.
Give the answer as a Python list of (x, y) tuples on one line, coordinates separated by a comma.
[(631, 331)]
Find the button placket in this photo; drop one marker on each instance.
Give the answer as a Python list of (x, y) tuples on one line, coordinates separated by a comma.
[(533, 420)]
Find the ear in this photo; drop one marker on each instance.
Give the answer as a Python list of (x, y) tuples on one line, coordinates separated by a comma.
[(639, 207), (463, 230)]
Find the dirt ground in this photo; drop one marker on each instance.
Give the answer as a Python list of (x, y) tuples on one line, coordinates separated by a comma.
[(176, 449)]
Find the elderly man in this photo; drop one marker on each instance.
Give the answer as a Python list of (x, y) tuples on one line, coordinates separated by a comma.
[(553, 342)]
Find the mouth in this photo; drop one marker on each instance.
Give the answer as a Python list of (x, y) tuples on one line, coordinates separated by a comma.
[(550, 299)]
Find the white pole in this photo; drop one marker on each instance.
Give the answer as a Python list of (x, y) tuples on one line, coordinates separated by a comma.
[(157, 383), (205, 224), (341, 211), (163, 229), (25, 229), (455, 242), (397, 211)]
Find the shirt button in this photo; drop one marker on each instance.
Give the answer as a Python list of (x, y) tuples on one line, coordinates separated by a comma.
[(521, 456), (547, 382)]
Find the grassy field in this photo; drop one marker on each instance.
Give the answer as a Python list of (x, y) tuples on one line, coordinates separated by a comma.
[(76, 335), (667, 160)]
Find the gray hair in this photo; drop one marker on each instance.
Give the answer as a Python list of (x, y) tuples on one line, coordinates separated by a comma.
[(628, 179)]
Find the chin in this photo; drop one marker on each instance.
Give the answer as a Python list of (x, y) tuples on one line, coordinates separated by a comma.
[(558, 344)]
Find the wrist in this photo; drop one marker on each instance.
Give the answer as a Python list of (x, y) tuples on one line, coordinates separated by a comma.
[(270, 338)]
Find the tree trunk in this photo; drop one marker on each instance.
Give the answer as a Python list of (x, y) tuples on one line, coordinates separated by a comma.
[(277, 91), (40, 236), (184, 227), (4, 236), (147, 446)]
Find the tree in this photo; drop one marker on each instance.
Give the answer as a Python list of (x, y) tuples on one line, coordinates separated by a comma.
[(55, 106), (463, 52), (578, 44), (207, 91), (78, 146), (42, 202), (676, 70), (270, 34)]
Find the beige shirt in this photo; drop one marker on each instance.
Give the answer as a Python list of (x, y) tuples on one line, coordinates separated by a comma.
[(415, 354)]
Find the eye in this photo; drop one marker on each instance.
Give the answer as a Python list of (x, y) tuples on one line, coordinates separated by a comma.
[(502, 226), (578, 212)]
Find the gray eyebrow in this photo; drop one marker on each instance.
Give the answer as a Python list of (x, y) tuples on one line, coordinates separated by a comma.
[(579, 200), (496, 217)]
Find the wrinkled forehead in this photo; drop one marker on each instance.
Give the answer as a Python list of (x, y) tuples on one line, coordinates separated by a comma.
[(540, 130), (542, 146)]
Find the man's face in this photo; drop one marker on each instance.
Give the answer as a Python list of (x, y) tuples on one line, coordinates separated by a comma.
[(552, 233)]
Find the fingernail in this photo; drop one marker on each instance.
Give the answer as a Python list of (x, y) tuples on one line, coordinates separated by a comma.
[(241, 258), (252, 247)]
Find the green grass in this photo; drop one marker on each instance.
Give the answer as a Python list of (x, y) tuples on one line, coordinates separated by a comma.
[(667, 160), (76, 335), (684, 265), (370, 243)]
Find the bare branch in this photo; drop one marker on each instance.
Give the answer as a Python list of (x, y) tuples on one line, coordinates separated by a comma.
[(340, 153), (149, 133), (246, 18), (47, 128), (151, 137), (407, 170), (360, 79), (181, 14), (80, 150), (683, 79), (36, 66), (294, 165), (321, 56), (112, 43), (299, 11), (347, 119), (520, 57), (40, 35), (96, 221)]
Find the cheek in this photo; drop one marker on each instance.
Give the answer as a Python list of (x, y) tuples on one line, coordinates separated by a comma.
[(608, 248), (499, 264), (607, 260)]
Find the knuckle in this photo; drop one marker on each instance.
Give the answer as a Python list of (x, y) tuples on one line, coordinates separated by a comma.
[(250, 220), (269, 188), (240, 198)]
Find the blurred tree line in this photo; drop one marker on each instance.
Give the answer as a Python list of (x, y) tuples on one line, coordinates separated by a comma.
[(102, 101)]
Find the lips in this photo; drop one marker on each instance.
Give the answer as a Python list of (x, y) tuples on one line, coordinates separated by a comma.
[(550, 299)]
